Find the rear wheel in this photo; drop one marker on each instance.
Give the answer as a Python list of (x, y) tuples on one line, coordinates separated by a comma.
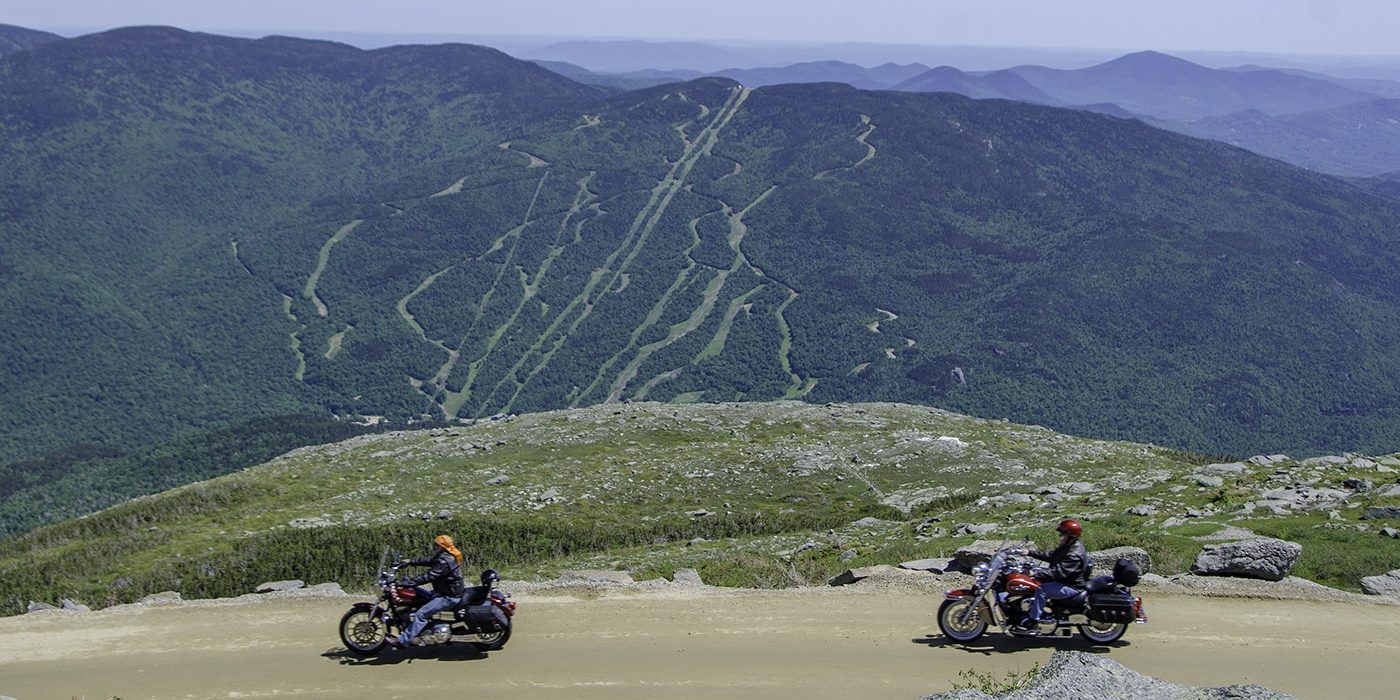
[(363, 631), (1103, 632), (960, 621), (493, 640)]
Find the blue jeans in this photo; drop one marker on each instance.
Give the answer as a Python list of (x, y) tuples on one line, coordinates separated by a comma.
[(1050, 590), (425, 613)]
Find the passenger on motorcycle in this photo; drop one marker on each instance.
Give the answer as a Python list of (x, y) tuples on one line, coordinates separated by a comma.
[(1064, 575), (445, 573)]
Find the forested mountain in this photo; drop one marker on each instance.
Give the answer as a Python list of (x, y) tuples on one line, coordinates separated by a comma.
[(14, 39), (207, 229), (1355, 139)]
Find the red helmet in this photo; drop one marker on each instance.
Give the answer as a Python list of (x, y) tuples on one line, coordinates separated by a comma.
[(1069, 527)]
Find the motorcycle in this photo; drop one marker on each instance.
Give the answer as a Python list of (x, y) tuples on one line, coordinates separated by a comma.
[(482, 617), (1002, 590)]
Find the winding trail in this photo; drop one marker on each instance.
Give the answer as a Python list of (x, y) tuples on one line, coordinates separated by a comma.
[(870, 152), (300, 371), (333, 345), (323, 257), (535, 161), (236, 258), (453, 188)]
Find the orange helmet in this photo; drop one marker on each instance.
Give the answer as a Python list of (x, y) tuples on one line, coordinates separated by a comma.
[(1069, 527)]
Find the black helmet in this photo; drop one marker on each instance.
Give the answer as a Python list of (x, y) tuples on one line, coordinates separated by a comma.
[(489, 577)]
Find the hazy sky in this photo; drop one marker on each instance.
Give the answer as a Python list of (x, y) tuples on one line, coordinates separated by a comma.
[(1276, 26)]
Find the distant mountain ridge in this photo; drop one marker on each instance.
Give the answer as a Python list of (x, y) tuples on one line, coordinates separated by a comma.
[(208, 229), (14, 39)]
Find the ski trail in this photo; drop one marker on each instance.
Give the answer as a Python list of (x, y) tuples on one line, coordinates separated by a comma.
[(296, 338), (453, 400), (716, 345), (535, 161), (870, 152), (636, 234), (239, 260), (333, 345), (589, 121), (309, 292), (798, 388), (531, 285), (874, 326), (707, 142), (453, 188)]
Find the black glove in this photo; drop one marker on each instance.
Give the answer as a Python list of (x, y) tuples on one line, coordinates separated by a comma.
[(400, 563)]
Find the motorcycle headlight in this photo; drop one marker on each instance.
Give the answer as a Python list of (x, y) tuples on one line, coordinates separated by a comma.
[(980, 569)]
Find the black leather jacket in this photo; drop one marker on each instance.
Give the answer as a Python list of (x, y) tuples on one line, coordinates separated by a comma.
[(1068, 563), (444, 573)]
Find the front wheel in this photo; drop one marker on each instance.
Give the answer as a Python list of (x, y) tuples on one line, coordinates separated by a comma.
[(363, 631), (960, 620), (1103, 632), (491, 641)]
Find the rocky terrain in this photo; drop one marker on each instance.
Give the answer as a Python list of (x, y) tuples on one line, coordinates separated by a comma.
[(757, 495)]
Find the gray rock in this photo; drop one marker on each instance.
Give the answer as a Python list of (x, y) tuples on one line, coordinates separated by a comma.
[(307, 523), (330, 588), (1104, 559), (702, 513), (847, 555), (850, 576), (595, 576), (69, 604), (936, 566), (1224, 469), (1387, 584), (1265, 460), (549, 495), (969, 529), (687, 577), (870, 522), (36, 606), (697, 540), (1390, 532), (1356, 484), (273, 586), (1383, 513), (975, 553), (1262, 558), (1142, 509), (1078, 675), (1389, 491), (1208, 481), (498, 480), (162, 598)]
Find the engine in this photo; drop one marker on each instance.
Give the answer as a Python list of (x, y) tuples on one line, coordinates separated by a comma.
[(440, 633)]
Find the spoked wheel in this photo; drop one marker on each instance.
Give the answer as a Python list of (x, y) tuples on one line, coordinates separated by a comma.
[(494, 640), (1103, 632), (960, 621), (363, 632)]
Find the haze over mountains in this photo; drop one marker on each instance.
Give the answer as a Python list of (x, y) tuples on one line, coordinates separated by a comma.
[(202, 229)]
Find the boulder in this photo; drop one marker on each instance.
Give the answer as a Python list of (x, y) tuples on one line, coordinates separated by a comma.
[(162, 598), (1266, 460), (975, 553), (847, 555), (1383, 513), (330, 588), (595, 576), (274, 586), (36, 606), (936, 566), (850, 576), (970, 529), (1389, 491), (70, 604), (1232, 468), (1142, 509), (1208, 481), (1262, 558), (1387, 584), (1104, 559), (1390, 532), (1356, 484), (687, 577), (1079, 675), (497, 480)]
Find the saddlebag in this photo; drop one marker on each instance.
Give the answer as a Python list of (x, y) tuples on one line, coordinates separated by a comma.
[(486, 616), (1110, 607)]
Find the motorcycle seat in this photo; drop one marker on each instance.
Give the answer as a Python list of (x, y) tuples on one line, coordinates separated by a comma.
[(1099, 584)]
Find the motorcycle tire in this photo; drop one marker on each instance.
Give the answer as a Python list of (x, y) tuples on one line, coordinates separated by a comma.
[(363, 632), (1103, 632), (948, 614), (494, 640)]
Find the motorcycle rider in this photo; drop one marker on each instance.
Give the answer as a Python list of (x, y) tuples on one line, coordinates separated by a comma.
[(445, 573), (1064, 575)]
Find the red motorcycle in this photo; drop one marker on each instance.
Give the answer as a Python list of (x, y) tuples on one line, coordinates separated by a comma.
[(1002, 590), (482, 617)]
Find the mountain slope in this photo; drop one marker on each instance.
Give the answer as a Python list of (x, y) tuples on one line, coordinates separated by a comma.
[(14, 39), (135, 161), (1356, 139), (998, 84)]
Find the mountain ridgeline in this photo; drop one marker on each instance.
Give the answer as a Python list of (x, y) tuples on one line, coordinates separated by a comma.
[(203, 229)]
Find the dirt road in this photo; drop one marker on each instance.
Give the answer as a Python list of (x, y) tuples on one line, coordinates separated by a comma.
[(746, 644)]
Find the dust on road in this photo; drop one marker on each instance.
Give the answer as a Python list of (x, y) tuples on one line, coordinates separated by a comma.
[(777, 644)]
